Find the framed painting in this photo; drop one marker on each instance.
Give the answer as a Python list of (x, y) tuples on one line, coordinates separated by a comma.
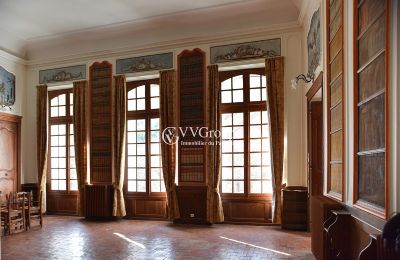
[(7, 87), (145, 63), (71, 73), (244, 51)]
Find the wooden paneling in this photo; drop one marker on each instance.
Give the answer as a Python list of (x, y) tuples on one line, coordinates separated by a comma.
[(336, 118), (336, 67), (371, 184), (336, 146), (371, 133), (191, 80), (372, 79), (370, 191), (192, 204), (320, 211), (336, 177), (336, 91), (145, 207), (9, 152), (368, 12), (294, 208), (252, 211), (64, 204), (100, 122), (334, 12), (372, 42), (98, 201), (361, 241)]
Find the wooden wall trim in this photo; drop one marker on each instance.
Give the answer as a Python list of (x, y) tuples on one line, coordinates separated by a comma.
[(340, 54), (10, 117), (317, 84), (383, 214)]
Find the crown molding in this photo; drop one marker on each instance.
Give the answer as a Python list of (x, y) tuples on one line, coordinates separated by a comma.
[(305, 5), (169, 45), (4, 55)]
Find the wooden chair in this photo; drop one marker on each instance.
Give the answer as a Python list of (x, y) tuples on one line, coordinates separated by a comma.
[(14, 214), (33, 210), (3, 208)]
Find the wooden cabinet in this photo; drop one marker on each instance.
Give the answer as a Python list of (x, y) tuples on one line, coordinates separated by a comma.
[(192, 190), (294, 208), (100, 122), (9, 152)]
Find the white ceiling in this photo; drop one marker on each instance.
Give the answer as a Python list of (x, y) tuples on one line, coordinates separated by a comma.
[(26, 22)]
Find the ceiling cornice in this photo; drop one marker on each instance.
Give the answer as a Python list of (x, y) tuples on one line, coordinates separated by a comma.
[(303, 11), (168, 45), (4, 55)]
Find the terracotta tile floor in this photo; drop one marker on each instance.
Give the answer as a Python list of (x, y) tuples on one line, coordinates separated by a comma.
[(74, 238)]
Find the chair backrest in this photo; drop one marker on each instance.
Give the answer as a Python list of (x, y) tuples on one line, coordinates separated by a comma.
[(17, 200)]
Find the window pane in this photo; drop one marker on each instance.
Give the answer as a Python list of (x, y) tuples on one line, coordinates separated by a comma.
[(238, 187), (226, 173), (255, 81), (155, 103), (238, 173), (226, 119), (54, 111), (238, 96), (61, 111), (131, 105), (136, 159), (54, 102), (255, 94), (237, 82), (140, 91), (73, 185), (226, 96), (141, 104), (154, 90), (255, 186), (255, 118), (132, 94), (61, 100), (227, 186), (226, 84), (237, 118)]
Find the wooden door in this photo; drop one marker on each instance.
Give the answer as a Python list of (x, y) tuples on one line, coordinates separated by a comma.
[(9, 142), (315, 163)]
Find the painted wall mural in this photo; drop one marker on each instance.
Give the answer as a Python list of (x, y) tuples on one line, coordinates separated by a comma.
[(7, 87), (62, 74), (314, 42), (244, 51), (145, 63)]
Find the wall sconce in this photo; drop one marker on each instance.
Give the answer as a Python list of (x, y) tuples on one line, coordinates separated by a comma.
[(306, 78)]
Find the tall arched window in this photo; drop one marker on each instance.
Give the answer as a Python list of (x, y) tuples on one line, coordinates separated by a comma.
[(144, 172), (62, 169), (246, 157)]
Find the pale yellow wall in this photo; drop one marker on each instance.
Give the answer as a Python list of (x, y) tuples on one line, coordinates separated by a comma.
[(17, 67), (294, 173)]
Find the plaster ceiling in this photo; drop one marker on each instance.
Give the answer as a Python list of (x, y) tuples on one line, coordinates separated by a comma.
[(24, 22)]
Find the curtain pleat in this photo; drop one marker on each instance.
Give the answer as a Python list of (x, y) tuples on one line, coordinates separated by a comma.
[(80, 138), (215, 213), (167, 119), (42, 139), (119, 133), (274, 71)]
